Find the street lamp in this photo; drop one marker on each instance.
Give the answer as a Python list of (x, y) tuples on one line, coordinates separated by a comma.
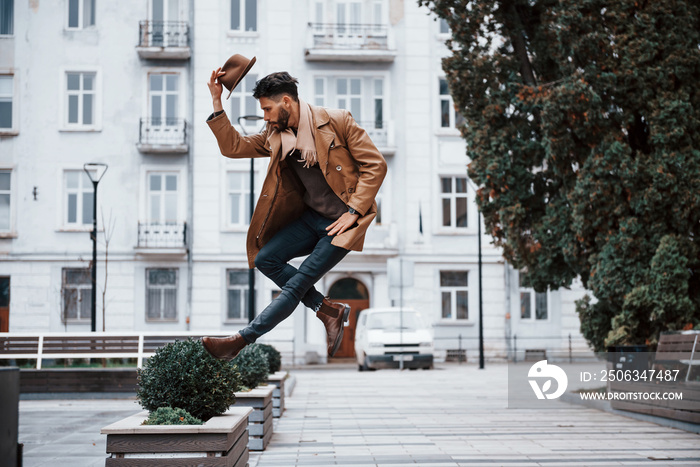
[(251, 272), (481, 290), (99, 170)]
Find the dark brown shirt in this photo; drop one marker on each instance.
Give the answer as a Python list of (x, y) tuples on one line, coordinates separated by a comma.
[(319, 195)]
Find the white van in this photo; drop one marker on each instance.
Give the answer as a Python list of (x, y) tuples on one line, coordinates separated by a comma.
[(385, 336)]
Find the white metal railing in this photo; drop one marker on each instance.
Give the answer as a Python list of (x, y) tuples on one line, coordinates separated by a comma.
[(97, 345), (164, 34), (349, 36), (162, 235)]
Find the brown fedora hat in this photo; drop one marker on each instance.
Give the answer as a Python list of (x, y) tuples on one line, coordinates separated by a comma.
[(236, 67)]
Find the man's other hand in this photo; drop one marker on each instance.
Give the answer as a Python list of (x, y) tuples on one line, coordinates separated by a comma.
[(345, 221)]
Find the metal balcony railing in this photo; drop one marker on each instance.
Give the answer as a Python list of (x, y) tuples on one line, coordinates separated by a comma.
[(377, 131), (164, 34), (349, 36), (157, 131), (157, 235)]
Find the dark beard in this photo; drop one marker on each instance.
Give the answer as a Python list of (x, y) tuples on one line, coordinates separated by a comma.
[(282, 120)]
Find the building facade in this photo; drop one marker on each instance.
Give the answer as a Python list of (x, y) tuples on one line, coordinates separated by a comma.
[(124, 84)]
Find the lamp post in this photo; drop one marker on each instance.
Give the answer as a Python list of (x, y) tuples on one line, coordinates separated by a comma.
[(99, 170), (481, 290), (251, 271)]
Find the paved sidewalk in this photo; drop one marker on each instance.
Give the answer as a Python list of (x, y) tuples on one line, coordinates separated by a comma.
[(451, 416)]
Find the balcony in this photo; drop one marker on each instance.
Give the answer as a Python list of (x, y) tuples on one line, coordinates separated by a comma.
[(381, 134), (164, 40), (162, 136), (162, 239), (349, 42)]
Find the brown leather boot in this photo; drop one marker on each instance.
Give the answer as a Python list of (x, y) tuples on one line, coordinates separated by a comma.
[(224, 348), (333, 315)]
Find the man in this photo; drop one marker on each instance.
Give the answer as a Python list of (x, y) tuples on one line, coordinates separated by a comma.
[(318, 199)]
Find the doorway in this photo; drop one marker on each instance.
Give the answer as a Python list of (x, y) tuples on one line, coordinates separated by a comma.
[(354, 293), (4, 304)]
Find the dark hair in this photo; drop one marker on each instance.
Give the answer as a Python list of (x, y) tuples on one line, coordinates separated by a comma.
[(276, 84)]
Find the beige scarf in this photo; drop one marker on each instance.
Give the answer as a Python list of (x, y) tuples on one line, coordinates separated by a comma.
[(303, 140)]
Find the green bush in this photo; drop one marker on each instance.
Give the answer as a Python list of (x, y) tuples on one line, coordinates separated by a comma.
[(183, 375), (274, 358), (253, 366), (170, 416)]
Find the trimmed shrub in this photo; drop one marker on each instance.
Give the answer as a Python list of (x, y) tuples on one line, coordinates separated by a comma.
[(252, 365), (170, 416), (274, 358), (183, 375)]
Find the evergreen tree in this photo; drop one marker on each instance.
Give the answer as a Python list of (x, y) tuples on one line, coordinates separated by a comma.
[(583, 132)]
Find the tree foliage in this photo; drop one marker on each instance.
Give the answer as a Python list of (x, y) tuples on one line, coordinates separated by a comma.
[(583, 130)]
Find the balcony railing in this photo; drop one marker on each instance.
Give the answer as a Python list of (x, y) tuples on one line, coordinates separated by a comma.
[(164, 34), (349, 36), (377, 131), (157, 135), (162, 236)]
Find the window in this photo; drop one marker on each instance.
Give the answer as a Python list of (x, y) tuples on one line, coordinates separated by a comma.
[(243, 103), (5, 200), (378, 200), (444, 27), (80, 97), (7, 17), (454, 293), (348, 95), (77, 294), (244, 15), (237, 287), (320, 92), (531, 300), (79, 198), (363, 96), (163, 99), (81, 14), (238, 187), (161, 294), (449, 117), (6, 97), (454, 201), (163, 198)]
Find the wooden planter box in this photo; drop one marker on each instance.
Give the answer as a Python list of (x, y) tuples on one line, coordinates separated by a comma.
[(278, 380), (221, 441), (260, 419)]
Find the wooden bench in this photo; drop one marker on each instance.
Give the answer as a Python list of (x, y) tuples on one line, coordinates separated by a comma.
[(679, 354)]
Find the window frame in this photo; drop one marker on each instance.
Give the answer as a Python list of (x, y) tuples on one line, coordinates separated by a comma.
[(244, 94), (452, 290), (81, 191), (13, 130), (97, 100), (242, 10), (244, 202), (12, 25), (453, 195), (148, 287), (244, 296), (81, 15), (164, 93), (162, 207), (533, 302), (80, 287), (9, 232), (453, 120)]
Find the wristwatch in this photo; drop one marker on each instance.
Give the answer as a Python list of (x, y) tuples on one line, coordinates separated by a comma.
[(352, 211)]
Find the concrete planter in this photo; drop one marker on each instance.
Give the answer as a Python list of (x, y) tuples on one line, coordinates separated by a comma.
[(260, 420), (221, 441), (278, 380)]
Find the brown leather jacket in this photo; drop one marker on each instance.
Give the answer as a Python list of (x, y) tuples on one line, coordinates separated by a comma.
[(352, 165)]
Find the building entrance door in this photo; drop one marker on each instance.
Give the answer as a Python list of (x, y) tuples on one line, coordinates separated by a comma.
[(4, 304), (355, 294)]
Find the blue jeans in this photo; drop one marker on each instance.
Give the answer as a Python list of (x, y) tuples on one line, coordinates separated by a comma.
[(305, 236)]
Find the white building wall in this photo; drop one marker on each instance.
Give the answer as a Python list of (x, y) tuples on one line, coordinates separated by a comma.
[(40, 246)]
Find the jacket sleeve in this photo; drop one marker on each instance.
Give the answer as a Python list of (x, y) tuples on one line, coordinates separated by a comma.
[(371, 163), (233, 144)]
